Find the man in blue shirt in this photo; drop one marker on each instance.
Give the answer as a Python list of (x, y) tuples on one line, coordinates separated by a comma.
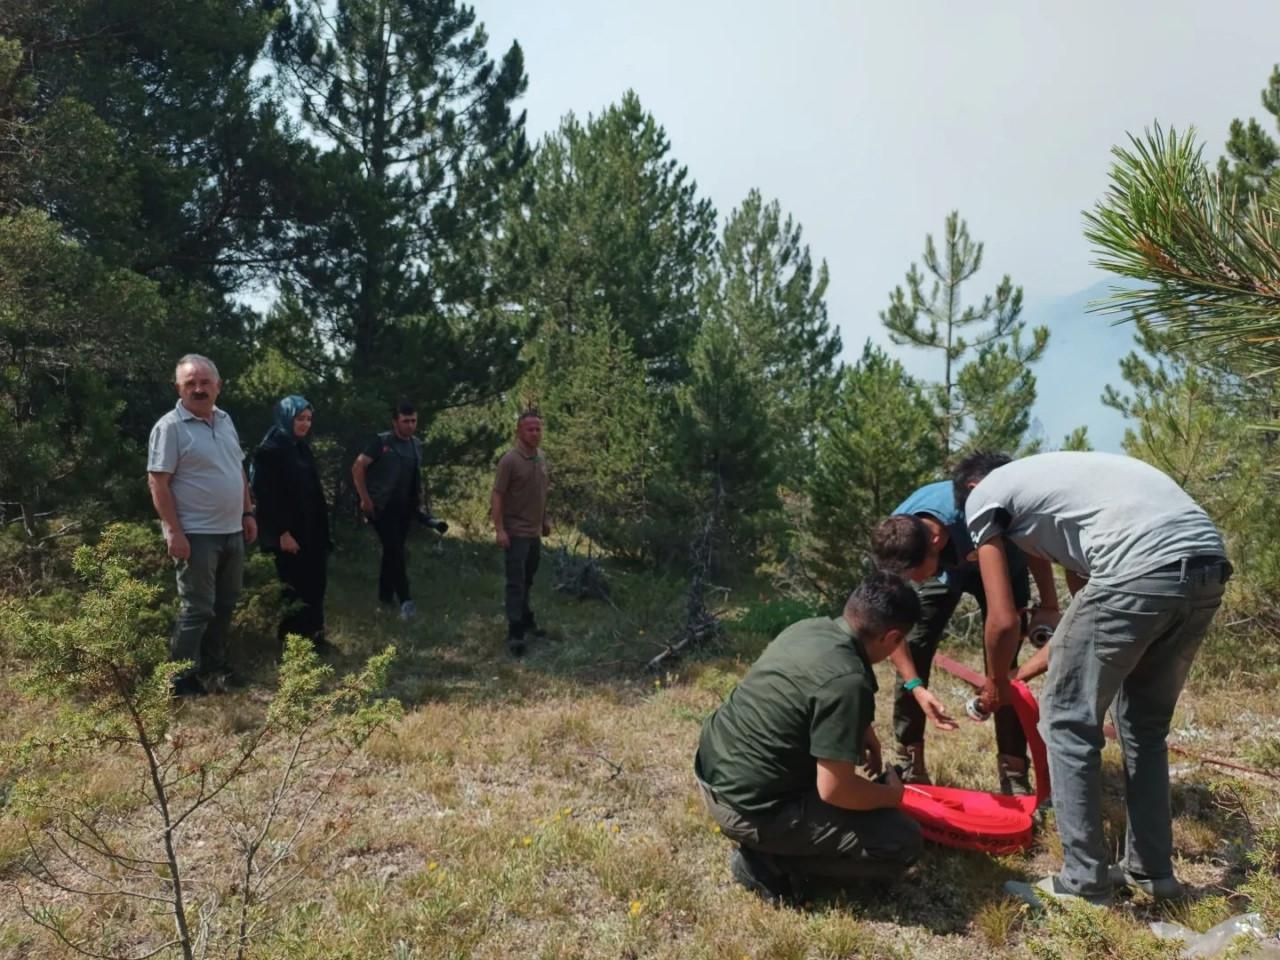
[(944, 582)]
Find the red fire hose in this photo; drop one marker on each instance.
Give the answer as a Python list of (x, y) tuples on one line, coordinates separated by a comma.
[(989, 822), (974, 819)]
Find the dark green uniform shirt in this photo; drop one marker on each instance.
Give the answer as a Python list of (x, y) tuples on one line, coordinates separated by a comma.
[(810, 696)]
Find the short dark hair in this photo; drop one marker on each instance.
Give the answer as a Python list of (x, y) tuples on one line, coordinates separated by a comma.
[(900, 543), (528, 414), (402, 408), (882, 602), (972, 469)]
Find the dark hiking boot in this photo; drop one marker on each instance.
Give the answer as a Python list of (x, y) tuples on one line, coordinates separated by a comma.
[(188, 686), (910, 764), (759, 873), (515, 639), (530, 627), (1015, 778)]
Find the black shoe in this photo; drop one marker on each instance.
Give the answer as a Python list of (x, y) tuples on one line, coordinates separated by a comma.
[(220, 681), (529, 627), (756, 871), (188, 686), (515, 639)]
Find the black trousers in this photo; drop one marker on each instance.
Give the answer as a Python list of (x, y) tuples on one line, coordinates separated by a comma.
[(522, 559), (305, 576), (938, 602), (392, 524)]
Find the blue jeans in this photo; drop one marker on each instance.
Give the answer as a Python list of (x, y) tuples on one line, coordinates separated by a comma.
[(1129, 648), (208, 587)]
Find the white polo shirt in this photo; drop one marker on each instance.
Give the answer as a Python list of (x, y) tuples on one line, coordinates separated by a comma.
[(207, 466)]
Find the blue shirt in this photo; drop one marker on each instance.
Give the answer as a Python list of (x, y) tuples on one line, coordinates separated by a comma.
[(938, 501)]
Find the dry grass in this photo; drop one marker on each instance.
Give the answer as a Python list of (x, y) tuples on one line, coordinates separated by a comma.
[(546, 808)]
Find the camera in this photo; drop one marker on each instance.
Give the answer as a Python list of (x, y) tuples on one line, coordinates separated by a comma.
[(435, 523)]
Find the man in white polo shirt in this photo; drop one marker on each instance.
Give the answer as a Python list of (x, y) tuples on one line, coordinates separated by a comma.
[(195, 470)]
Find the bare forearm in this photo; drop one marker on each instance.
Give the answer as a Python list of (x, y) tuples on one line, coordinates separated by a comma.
[(902, 662), (1046, 586), (166, 507), (1001, 643), (495, 511), (1075, 582), (358, 471), (1036, 665), (858, 793)]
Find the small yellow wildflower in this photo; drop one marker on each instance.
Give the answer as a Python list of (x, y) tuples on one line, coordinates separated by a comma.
[(432, 866), (636, 908), (567, 812), (616, 828), (715, 828), (527, 841)]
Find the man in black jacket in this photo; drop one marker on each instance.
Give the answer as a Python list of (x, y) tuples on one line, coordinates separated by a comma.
[(388, 480)]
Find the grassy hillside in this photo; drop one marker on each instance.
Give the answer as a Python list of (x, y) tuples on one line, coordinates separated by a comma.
[(546, 808)]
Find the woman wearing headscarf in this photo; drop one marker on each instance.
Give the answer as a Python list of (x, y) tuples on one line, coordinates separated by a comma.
[(293, 518)]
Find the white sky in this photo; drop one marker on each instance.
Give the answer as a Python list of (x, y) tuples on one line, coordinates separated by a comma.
[(870, 121)]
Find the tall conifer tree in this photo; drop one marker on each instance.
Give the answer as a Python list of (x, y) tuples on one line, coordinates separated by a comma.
[(405, 276), (986, 360), (615, 224), (768, 290)]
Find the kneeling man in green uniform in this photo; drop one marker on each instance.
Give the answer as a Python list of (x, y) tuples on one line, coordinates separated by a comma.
[(778, 762)]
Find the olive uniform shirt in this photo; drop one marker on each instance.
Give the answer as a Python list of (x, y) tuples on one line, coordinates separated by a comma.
[(523, 482), (810, 697)]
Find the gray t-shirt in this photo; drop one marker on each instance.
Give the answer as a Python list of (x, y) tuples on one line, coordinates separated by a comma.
[(1106, 517), (207, 465)]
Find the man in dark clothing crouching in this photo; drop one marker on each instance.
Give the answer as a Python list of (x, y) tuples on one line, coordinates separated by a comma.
[(778, 761)]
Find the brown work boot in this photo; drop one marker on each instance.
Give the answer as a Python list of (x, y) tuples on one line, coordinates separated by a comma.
[(1015, 779), (910, 764)]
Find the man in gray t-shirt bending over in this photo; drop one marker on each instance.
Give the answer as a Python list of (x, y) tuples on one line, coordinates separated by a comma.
[(1146, 567)]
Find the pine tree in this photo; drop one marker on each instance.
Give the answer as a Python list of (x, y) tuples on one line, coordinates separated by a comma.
[(404, 274), (1205, 264), (725, 455), (601, 433), (876, 446), (766, 288), (1252, 154), (615, 227), (144, 131), (977, 400), (69, 325), (1194, 419)]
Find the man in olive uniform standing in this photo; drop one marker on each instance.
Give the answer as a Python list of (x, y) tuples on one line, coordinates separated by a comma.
[(388, 480), (519, 510)]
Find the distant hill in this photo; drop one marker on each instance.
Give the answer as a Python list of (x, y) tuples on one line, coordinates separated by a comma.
[(1083, 357)]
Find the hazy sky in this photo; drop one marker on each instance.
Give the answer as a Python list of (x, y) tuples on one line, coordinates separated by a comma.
[(870, 121)]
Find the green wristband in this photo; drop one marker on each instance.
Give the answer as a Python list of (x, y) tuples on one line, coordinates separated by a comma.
[(912, 684)]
